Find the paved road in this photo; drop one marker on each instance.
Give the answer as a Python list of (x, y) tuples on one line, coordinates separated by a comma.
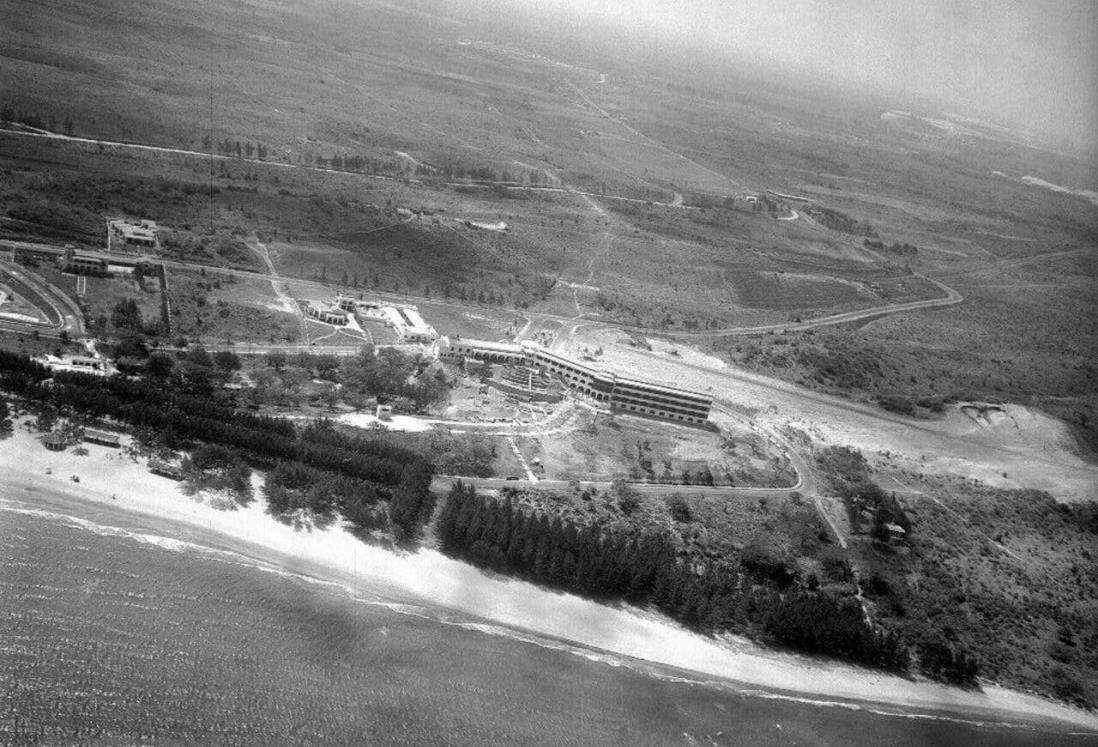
[(442, 483), (64, 308), (951, 298)]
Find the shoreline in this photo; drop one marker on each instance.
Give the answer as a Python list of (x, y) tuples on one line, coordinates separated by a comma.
[(427, 577)]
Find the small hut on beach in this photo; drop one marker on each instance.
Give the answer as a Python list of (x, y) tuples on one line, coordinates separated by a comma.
[(55, 441)]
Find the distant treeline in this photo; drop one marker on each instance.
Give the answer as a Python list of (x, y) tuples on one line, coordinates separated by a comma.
[(10, 113), (838, 221), (353, 472), (646, 569), (904, 250)]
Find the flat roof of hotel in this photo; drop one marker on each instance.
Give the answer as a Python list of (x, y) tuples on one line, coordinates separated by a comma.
[(508, 347)]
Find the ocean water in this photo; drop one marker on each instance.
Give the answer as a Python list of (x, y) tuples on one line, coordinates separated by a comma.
[(116, 629)]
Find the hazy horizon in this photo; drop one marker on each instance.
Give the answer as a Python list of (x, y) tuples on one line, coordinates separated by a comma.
[(1029, 65)]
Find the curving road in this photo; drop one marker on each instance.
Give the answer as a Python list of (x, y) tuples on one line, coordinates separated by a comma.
[(63, 308)]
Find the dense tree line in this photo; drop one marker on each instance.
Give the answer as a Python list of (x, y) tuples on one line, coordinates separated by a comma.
[(352, 472), (646, 569)]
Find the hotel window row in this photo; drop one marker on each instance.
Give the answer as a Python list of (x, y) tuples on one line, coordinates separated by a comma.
[(626, 394)]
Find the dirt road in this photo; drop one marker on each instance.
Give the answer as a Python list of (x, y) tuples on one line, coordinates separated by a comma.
[(1026, 450)]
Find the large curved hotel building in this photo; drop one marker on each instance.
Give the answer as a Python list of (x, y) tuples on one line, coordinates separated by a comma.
[(614, 391)]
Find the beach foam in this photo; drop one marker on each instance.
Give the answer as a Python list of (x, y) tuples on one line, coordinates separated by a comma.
[(608, 634)]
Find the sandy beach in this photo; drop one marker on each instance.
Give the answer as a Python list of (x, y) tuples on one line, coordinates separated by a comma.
[(114, 481)]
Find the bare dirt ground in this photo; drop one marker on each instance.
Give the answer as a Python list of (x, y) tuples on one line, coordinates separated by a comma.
[(1012, 448), (635, 448)]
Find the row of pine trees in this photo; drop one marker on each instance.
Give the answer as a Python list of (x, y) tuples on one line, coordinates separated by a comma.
[(646, 569)]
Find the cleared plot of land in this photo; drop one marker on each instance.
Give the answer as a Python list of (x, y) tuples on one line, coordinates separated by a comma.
[(598, 448), (477, 323), (214, 308), (787, 290), (473, 401)]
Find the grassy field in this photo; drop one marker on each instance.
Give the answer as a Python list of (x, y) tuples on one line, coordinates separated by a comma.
[(1031, 341), (315, 96), (310, 92), (219, 306)]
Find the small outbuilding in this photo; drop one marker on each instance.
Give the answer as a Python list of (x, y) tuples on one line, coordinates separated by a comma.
[(165, 469), (102, 437), (896, 533), (55, 441)]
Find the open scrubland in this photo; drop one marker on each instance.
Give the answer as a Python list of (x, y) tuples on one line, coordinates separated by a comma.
[(1014, 562), (644, 450), (358, 147)]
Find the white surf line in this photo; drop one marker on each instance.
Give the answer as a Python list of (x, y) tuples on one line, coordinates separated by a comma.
[(656, 667)]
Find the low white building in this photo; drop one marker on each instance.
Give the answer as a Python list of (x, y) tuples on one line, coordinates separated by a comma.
[(405, 319), (409, 325), (334, 316), (482, 350), (129, 234), (96, 366)]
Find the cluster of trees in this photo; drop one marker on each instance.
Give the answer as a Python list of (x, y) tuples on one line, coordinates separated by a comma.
[(848, 473), (219, 468), (469, 454), (228, 147), (841, 222), (195, 372), (394, 472), (527, 289), (407, 382), (126, 318), (904, 250), (294, 487), (6, 425), (907, 406), (391, 374), (340, 162), (647, 569), (941, 661), (9, 113), (218, 246)]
